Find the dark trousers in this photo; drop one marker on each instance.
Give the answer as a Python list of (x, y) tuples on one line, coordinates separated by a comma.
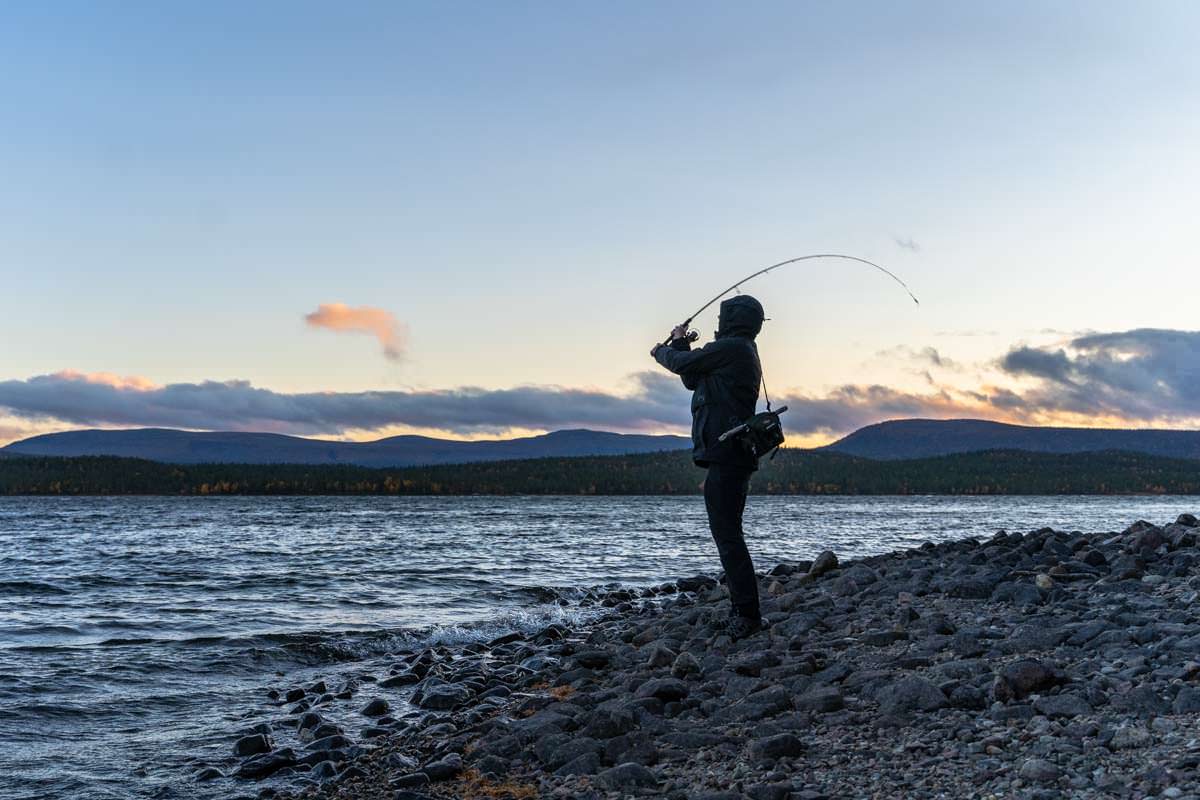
[(725, 490)]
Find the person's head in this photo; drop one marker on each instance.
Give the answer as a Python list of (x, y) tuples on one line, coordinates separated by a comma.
[(740, 316)]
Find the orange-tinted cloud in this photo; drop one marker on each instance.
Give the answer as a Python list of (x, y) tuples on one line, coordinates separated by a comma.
[(134, 382), (383, 325)]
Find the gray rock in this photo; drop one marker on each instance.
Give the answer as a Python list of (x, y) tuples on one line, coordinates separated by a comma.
[(912, 693), (1018, 680), (825, 562), (593, 659), (822, 699), (1062, 705), (445, 697), (584, 764), (782, 745), (334, 742), (400, 679), (660, 656), (609, 721), (624, 777), (665, 689), (1039, 770), (685, 665), (252, 745), (1129, 738), (1187, 701), (266, 764), (1188, 520), (444, 769), (376, 708)]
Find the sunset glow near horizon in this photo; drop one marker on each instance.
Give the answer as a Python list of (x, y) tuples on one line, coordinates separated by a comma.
[(474, 222)]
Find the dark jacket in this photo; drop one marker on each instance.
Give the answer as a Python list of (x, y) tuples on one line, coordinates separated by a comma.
[(724, 377)]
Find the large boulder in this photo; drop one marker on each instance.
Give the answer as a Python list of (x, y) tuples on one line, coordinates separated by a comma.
[(1018, 680), (912, 693)]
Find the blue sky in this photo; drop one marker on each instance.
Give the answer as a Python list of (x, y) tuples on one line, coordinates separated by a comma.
[(537, 191)]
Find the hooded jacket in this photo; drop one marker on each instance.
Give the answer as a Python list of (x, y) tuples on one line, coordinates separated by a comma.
[(724, 377)]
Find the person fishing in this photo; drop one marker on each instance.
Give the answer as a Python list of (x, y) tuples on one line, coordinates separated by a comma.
[(724, 376)]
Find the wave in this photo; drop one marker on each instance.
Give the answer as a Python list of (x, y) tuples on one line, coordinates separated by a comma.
[(30, 587)]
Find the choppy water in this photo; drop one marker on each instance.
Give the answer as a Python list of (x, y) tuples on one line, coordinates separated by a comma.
[(136, 632)]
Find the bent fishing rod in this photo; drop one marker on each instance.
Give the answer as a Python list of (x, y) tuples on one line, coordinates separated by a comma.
[(693, 336)]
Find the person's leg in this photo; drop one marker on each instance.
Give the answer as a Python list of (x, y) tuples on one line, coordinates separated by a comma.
[(725, 491)]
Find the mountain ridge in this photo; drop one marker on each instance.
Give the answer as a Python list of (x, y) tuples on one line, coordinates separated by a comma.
[(171, 446), (927, 438)]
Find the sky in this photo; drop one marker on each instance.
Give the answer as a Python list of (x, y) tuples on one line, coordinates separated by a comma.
[(352, 220)]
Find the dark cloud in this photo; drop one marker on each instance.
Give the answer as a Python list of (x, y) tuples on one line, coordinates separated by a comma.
[(907, 243), (656, 401), (1148, 375), (1140, 377)]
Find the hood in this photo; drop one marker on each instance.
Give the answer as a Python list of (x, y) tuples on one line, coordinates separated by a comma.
[(740, 316)]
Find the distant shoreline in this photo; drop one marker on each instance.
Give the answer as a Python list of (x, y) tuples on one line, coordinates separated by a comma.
[(793, 472)]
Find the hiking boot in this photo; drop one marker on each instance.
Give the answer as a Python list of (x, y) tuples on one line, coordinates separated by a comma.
[(741, 627)]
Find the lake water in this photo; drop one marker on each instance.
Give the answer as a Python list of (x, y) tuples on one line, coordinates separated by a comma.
[(136, 634)]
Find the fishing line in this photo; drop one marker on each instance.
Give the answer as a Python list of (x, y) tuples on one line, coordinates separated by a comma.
[(765, 270)]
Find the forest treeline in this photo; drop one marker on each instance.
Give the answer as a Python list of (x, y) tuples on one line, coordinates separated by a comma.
[(792, 472)]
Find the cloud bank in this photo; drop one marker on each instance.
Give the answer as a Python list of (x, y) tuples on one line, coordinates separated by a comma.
[(383, 325), (1136, 378), (1151, 375)]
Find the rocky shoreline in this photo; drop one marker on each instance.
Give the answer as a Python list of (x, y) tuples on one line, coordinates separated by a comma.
[(1043, 665)]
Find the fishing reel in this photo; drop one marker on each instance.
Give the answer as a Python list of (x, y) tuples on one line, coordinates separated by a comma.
[(688, 337)]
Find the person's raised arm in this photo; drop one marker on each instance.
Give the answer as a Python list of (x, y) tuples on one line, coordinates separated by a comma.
[(691, 363)]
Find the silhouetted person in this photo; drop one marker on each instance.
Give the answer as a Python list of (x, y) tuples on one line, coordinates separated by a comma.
[(724, 377)]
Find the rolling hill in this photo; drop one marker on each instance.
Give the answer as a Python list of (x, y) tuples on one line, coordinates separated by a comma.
[(186, 447), (924, 438)]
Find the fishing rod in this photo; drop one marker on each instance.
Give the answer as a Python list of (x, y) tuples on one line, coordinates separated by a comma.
[(693, 335)]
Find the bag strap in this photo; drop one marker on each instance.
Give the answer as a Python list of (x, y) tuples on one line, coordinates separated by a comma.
[(762, 376)]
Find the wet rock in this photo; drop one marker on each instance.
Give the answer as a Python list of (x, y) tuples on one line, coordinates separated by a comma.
[(333, 742), (310, 719), (445, 768), (209, 774), (294, 695), (444, 697), (1188, 520), (266, 764), (827, 561), (508, 638), (593, 659), (252, 745), (695, 583), (400, 679), (376, 708)]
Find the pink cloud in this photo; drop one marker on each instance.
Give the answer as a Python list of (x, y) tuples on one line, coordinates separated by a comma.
[(383, 325), (132, 382)]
